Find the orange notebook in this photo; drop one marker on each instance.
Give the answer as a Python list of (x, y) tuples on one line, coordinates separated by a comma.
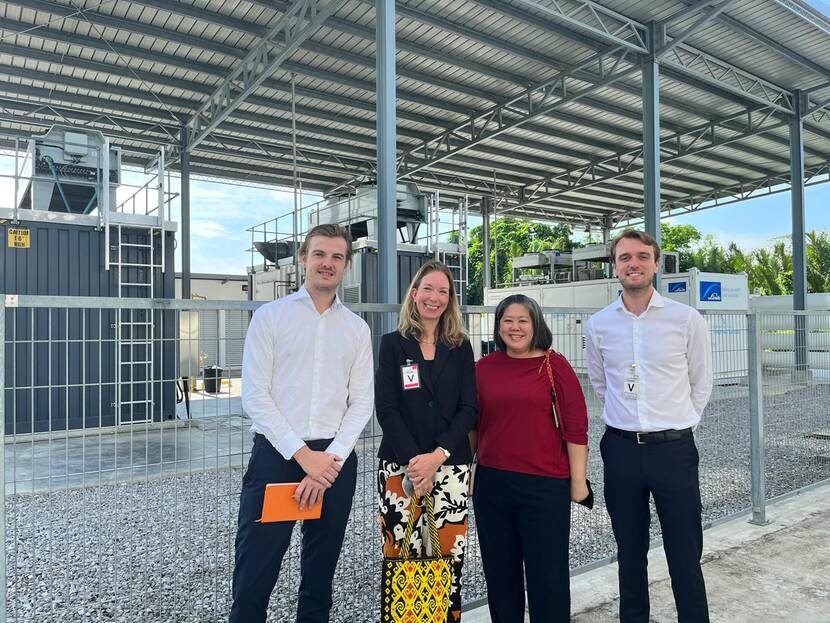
[(279, 504)]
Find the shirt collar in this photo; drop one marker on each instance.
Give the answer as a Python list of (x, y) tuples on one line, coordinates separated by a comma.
[(656, 301), (303, 295)]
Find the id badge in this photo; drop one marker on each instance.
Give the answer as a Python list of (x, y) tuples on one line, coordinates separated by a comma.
[(410, 376), (631, 387)]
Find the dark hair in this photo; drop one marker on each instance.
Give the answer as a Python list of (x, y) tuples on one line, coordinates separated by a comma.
[(635, 234), (542, 337), (329, 230)]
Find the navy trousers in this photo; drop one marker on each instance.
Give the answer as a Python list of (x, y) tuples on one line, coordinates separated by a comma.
[(669, 472), (523, 524), (260, 547)]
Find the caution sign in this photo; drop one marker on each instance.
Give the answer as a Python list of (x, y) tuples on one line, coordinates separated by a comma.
[(19, 239)]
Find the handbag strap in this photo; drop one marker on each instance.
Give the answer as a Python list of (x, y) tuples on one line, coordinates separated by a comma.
[(546, 363), (410, 526)]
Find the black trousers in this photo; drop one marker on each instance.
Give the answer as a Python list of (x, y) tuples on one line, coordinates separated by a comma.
[(260, 547), (523, 524), (669, 472)]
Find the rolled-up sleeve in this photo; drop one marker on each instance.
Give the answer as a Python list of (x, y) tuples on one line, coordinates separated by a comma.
[(257, 386)]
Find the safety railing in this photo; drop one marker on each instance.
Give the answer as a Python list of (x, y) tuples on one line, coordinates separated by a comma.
[(122, 485)]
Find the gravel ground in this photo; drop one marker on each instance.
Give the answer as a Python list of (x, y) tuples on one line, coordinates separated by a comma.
[(162, 550)]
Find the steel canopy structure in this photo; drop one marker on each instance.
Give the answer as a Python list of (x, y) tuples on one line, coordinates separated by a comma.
[(576, 111)]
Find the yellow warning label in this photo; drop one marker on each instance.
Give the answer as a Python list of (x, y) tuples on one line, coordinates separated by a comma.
[(19, 239)]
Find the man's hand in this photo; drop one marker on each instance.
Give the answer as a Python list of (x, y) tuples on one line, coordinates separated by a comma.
[(321, 467), (309, 492)]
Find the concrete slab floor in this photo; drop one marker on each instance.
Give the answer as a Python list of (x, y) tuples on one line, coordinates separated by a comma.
[(124, 454), (754, 574)]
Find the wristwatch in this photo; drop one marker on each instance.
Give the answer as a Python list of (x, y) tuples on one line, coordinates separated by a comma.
[(445, 451)]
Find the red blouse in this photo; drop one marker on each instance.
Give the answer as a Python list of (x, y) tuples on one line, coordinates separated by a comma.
[(516, 431)]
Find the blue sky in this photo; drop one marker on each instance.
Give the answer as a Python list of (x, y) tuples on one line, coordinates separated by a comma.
[(222, 212)]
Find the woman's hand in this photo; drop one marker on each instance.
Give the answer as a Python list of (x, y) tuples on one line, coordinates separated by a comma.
[(422, 468), (579, 490)]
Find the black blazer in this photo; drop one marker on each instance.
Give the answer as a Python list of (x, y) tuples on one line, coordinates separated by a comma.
[(440, 413)]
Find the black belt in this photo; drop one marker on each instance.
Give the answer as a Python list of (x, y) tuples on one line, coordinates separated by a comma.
[(656, 437)]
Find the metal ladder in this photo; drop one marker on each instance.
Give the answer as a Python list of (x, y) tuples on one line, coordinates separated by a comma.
[(134, 327)]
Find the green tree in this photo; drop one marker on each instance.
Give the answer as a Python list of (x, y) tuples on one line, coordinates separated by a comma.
[(680, 239), (818, 261), (510, 237)]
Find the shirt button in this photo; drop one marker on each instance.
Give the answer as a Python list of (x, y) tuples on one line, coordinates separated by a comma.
[(431, 404)]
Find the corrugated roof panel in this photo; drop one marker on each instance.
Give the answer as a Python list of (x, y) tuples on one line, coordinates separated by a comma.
[(600, 124)]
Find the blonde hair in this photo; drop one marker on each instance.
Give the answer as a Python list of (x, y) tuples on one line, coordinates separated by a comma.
[(450, 330)]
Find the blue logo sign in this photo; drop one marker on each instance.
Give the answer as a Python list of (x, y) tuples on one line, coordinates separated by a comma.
[(677, 286), (710, 291)]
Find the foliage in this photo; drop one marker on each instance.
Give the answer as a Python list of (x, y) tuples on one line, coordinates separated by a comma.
[(510, 237), (769, 270)]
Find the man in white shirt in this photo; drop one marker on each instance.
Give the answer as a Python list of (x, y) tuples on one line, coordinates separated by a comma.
[(308, 387), (650, 362)]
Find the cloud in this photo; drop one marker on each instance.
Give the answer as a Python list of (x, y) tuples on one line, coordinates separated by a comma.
[(207, 229)]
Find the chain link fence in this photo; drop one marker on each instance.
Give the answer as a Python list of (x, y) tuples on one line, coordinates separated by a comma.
[(124, 453)]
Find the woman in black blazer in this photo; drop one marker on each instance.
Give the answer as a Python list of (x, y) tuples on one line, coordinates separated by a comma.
[(425, 400)]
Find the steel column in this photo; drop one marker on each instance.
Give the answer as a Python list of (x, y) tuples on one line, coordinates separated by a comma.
[(386, 140), (798, 217), (486, 208), (184, 164), (651, 137), (756, 422), (607, 226)]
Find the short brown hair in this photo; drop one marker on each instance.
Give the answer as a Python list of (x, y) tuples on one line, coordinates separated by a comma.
[(329, 230), (635, 234)]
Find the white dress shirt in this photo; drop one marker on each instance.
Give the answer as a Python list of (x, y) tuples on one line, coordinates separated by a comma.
[(667, 350), (307, 375)]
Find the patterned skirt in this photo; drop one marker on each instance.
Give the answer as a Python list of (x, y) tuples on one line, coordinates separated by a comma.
[(449, 495)]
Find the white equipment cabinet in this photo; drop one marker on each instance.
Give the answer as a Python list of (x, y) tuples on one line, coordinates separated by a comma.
[(712, 292)]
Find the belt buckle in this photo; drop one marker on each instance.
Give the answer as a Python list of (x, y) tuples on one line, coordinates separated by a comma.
[(640, 443)]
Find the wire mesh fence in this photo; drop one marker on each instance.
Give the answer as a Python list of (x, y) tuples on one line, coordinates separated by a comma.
[(125, 445)]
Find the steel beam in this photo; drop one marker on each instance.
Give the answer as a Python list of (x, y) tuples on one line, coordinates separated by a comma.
[(651, 136), (743, 85), (807, 14), (771, 43), (320, 95), (813, 175), (294, 27), (538, 100), (711, 10), (673, 148), (91, 16), (599, 22)]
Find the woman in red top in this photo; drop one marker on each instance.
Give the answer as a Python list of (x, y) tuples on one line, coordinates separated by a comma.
[(532, 464)]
